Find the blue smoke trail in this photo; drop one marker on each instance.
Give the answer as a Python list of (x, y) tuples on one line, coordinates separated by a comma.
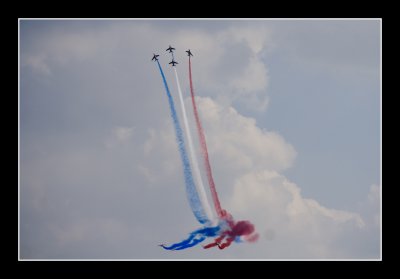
[(193, 196), (194, 238)]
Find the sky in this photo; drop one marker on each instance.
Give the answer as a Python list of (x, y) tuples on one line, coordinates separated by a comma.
[(291, 112)]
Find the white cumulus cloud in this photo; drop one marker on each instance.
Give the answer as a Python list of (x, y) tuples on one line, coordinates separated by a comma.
[(239, 144), (247, 162), (282, 215)]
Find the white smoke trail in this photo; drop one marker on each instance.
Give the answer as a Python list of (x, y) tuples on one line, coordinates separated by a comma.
[(196, 169)]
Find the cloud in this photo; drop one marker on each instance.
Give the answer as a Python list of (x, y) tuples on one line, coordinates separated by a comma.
[(374, 195), (270, 193), (303, 227), (230, 58), (52, 47), (238, 143), (82, 230), (246, 162), (370, 207), (231, 67), (37, 63), (123, 133), (235, 144), (120, 135)]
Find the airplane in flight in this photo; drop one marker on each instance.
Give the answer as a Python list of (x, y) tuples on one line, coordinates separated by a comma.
[(170, 49), (173, 63), (189, 53), (154, 57)]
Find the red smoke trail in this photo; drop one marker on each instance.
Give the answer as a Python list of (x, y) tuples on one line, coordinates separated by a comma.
[(243, 229), (240, 229), (221, 213)]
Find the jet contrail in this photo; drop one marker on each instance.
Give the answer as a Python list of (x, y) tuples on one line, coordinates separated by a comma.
[(204, 151), (196, 169), (191, 191)]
